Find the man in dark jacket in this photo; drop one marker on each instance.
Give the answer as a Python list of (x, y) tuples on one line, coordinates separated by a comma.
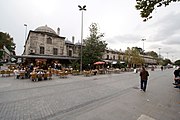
[(144, 77)]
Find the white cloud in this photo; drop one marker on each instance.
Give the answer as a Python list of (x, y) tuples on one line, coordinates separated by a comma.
[(118, 19)]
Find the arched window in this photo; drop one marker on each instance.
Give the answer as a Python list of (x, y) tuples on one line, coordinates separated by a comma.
[(107, 57), (41, 50), (55, 51), (70, 53), (49, 40), (114, 57)]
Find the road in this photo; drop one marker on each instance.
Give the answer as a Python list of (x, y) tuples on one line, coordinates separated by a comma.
[(101, 97)]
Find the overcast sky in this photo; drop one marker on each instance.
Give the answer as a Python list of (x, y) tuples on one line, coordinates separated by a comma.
[(118, 19)]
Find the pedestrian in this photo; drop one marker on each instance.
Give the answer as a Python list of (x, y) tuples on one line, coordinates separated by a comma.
[(177, 77), (144, 78), (17, 73), (161, 68)]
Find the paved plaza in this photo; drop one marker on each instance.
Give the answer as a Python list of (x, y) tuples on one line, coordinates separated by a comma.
[(100, 97)]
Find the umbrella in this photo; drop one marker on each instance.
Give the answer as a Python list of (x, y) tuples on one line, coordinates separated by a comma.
[(99, 63)]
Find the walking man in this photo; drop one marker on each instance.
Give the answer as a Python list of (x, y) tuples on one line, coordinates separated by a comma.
[(144, 78)]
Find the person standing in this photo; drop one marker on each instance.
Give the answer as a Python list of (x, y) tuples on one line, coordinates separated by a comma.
[(161, 68), (177, 77), (144, 78)]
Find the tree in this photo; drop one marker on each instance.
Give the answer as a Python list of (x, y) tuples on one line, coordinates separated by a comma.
[(136, 58), (6, 40), (166, 62), (140, 50), (133, 57), (153, 54), (93, 46), (146, 7), (177, 62), (128, 56)]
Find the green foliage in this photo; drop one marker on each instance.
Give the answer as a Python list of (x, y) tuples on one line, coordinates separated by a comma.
[(122, 65), (140, 50), (128, 55), (160, 61), (152, 53), (133, 56), (1, 54), (6, 40), (75, 65), (146, 7), (93, 46), (177, 62), (166, 62)]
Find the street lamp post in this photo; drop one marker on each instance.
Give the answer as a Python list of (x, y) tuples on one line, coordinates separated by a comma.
[(25, 34), (143, 45), (159, 52), (25, 31), (83, 8), (159, 55), (143, 49)]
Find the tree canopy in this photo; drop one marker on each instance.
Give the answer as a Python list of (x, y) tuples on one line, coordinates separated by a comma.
[(166, 62), (6, 40), (132, 56), (94, 46), (177, 62), (140, 50), (146, 7), (152, 53)]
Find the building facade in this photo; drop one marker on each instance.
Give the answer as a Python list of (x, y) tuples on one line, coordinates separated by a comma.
[(44, 44), (115, 55)]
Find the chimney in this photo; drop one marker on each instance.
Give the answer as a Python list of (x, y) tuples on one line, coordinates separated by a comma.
[(58, 31), (73, 39)]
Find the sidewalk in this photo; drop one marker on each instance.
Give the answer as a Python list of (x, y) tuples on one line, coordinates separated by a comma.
[(160, 102), (101, 97)]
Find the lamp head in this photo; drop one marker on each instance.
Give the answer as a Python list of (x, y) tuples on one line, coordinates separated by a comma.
[(82, 8)]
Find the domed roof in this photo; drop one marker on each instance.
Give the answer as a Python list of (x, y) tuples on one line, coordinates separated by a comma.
[(45, 29), (67, 41)]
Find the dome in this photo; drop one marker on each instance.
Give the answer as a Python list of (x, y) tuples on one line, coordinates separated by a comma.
[(69, 42), (45, 29)]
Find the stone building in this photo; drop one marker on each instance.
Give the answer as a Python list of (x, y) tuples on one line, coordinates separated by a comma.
[(112, 56), (44, 44)]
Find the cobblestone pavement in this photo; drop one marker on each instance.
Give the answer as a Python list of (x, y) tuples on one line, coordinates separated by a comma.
[(22, 99), (65, 98)]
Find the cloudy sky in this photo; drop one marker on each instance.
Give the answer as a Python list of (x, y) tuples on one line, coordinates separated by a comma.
[(118, 19)]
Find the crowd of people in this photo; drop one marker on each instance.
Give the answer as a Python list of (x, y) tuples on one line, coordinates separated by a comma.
[(27, 72)]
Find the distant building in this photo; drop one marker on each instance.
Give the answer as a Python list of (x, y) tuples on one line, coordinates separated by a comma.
[(115, 55), (44, 44)]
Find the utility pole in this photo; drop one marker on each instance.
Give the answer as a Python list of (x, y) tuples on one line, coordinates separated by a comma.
[(81, 9)]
